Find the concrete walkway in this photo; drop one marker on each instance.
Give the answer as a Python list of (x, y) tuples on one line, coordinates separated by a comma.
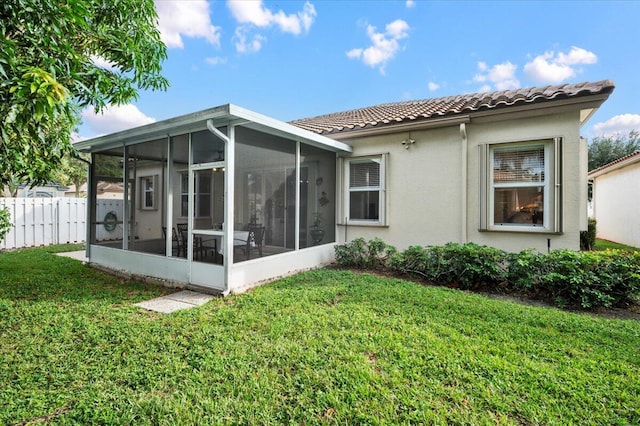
[(174, 302), (166, 304)]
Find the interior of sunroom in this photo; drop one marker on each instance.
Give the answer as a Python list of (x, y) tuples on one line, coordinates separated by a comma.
[(173, 196)]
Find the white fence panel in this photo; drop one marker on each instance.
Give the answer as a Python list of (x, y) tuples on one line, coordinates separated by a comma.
[(44, 221), (72, 220), (105, 206)]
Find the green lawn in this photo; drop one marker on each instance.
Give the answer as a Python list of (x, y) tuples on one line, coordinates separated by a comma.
[(324, 346), (605, 245)]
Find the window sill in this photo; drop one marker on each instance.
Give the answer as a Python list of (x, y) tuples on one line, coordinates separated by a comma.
[(365, 224), (521, 230)]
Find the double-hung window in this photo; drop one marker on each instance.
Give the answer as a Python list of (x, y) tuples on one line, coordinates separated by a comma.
[(522, 186), (365, 190), (202, 193), (148, 194)]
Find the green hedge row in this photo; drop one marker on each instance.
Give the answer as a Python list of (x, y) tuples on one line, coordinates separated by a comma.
[(569, 278)]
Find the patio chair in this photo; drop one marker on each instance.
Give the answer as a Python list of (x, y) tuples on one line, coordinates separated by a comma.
[(256, 237), (198, 247), (176, 246)]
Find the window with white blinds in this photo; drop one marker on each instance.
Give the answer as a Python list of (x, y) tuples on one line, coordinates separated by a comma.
[(523, 186), (364, 201), (364, 174), (518, 165)]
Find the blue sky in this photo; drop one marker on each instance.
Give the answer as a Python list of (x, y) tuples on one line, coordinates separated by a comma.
[(296, 59)]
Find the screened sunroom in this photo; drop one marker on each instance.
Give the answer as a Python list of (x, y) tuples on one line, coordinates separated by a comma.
[(221, 199)]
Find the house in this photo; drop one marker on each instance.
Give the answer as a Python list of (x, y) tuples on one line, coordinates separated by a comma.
[(106, 190), (616, 200), (225, 198), (48, 190)]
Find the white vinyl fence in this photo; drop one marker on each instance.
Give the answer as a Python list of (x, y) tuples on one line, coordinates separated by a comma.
[(45, 221)]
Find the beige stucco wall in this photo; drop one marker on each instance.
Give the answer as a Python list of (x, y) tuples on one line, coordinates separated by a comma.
[(424, 187), (149, 221), (617, 205)]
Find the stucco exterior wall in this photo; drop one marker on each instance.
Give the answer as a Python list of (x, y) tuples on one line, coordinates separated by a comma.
[(149, 221), (617, 205), (423, 188), (424, 184)]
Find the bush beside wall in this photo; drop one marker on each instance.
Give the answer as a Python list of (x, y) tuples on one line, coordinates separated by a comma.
[(569, 278)]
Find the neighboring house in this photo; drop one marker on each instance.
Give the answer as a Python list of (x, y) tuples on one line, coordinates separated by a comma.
[(225, 198), (616, 200), (49, 190), (106, 190)]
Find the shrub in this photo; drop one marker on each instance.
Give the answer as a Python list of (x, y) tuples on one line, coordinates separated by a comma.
[(360, 254), (468, 265), (412, 261), (586, 279), (464, 265)]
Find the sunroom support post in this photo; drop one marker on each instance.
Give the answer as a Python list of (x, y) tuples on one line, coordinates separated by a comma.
[(296, 243), (168, 205), (125, 207), (229, 178)]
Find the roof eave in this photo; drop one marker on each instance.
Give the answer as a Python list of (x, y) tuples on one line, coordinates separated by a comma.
[(222, 115), (615, 165), (588, 103)]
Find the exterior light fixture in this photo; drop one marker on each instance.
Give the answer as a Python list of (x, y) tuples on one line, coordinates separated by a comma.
[(408, 142)]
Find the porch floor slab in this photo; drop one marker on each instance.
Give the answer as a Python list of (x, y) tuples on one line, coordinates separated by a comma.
[(80, 255), (177, 301)]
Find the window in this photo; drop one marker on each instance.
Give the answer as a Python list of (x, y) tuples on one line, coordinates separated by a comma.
[(202, 195), (523, 186), (147, 193), (365, 195)]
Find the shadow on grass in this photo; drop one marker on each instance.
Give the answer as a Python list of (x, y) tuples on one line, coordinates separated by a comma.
[(37, 274)]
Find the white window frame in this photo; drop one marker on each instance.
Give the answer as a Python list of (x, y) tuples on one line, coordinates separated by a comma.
[(196, 196), (144, 191), (347, 190), (552, 212)]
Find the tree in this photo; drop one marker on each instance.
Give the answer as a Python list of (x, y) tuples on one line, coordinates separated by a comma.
[(52, 57), (605, 149), (52, 64), (72, 171)]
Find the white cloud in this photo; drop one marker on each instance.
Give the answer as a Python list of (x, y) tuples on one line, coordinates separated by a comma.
[(254, 12), (185, 18), (617, 125), (75, 137), (383, 45), (433, 86), (216, 60), (102, 63), (552, 68), (500, 76), (244, 44), (410, 3), (115, 118)]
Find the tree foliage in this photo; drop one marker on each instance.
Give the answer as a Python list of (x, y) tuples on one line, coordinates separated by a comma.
[(72, 171), (605, 149), (52, 57)]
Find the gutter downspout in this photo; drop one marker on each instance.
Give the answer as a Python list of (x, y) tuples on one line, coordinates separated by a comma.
[(463, 184), (87, 246), (228, 189)]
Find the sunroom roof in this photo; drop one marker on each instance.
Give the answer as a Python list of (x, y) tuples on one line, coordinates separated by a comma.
[(223, 115)]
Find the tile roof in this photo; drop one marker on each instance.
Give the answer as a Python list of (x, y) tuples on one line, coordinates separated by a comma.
[(408, 111), (612, 165)]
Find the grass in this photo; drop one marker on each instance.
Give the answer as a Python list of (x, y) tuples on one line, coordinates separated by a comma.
[(606, 245), (322, 347)]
